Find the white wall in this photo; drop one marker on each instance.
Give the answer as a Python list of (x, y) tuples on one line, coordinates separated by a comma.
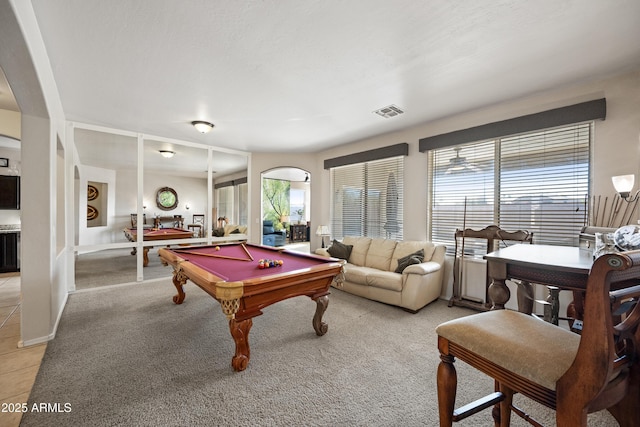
[(616, 150), (44, 273), (96, 235), (123, 197)]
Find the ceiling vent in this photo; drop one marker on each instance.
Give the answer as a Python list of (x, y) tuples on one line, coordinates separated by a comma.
[(389, 111)]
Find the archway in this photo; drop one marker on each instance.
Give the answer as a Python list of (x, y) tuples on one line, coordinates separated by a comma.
[(286, 206)]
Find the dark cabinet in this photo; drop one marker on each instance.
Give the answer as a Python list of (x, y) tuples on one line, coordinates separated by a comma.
[(298, 233), (9, 252)]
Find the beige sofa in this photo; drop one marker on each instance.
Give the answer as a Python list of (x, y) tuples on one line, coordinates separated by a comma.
[(371, 265), (229, 233)]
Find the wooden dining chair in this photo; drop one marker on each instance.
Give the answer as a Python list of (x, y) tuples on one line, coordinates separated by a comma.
[(570, 373), (197, 225)]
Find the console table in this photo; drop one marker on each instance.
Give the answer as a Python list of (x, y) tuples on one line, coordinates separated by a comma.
[(298, 233), (177, 221)]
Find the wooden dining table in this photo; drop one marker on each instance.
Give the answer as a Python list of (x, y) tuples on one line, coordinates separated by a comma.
[(565, 267)]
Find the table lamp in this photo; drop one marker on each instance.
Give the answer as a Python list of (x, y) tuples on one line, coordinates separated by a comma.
[(323, 230)]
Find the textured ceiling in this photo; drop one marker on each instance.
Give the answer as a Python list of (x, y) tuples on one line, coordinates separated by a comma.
[(291, 75)]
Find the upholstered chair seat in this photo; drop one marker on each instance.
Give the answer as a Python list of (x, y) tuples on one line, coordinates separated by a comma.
[(525, 347)]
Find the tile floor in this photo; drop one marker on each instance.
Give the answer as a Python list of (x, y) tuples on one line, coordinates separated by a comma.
[(18, 366)]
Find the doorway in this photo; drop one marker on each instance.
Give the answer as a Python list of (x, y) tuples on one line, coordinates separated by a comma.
[(286, 208)]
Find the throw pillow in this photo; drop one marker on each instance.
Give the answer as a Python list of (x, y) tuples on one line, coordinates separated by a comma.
[(236, 231), (218, 232), (414, 258), (340, 250)]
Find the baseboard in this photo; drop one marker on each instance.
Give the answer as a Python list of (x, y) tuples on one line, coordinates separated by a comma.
[(52, 335)]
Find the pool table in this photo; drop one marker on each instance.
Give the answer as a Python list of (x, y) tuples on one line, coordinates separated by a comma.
[(155, 234), (230, 273)]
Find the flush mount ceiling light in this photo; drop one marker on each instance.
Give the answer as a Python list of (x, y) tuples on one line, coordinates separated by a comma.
[(202, 127), (389, 111), (167, 153)]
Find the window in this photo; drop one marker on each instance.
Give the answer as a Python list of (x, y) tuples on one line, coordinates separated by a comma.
[(537, 181), (367, 199), (231, 201)]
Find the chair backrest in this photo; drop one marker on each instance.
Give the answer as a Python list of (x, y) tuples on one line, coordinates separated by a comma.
[(198, 219), (492, 234), (134, 220), (608, 341)]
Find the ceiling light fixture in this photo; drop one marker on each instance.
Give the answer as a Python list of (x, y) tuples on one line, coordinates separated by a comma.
[(459, 164), (202, 127), (167, 153)]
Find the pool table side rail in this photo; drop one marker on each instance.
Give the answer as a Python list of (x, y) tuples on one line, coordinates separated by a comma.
[(221, 289)]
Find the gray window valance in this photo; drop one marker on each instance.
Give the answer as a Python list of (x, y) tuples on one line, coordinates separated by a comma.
[(577, 113)]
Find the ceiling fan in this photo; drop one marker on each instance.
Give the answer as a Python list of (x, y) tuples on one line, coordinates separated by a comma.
[(459, 164)]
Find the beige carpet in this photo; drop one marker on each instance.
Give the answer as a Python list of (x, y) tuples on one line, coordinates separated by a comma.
[(115, 266), (128, 356)]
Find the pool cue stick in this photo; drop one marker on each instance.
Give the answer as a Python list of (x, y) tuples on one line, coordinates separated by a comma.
[(246, 251), (211, 255)]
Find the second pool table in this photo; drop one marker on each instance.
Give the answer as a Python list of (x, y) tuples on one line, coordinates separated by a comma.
[(230, 274), (155, 234)]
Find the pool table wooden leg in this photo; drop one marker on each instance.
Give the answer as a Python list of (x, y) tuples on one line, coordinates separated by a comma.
[(321, 306), (145, 256), (179, 279), (240, 333)]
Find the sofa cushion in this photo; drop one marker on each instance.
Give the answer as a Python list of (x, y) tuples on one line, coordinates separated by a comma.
[(340, 250), (408, 247), (357, 274), (385, 280), (414, 258), (234, 229), (380, 253), (360, 249)]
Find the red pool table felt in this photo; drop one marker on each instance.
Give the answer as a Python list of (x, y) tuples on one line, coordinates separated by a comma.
[(243, 267)]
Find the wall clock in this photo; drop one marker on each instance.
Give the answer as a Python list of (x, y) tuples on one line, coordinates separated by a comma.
[(166, 199)]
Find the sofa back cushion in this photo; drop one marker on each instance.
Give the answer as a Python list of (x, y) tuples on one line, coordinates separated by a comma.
[(340, 250), (380, 253), (407, 247), (359, 250)]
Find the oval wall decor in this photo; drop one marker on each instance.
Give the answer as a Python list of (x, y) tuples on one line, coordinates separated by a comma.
[(92, 192), (167, 199), (92, 213)]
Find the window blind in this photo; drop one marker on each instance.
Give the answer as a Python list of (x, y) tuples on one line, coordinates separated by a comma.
[(539, 183), (544, 183), (463, 192), (367, 199), (225, 202)]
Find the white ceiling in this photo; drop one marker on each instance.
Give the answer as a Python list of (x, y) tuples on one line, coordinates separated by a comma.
[(291, 75)]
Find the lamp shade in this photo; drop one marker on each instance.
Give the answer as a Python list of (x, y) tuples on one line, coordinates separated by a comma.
[(322, 230), (167, 153), (623, 183)]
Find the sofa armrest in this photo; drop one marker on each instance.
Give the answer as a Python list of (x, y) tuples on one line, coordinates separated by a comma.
[(322, 251), (423, 268)]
